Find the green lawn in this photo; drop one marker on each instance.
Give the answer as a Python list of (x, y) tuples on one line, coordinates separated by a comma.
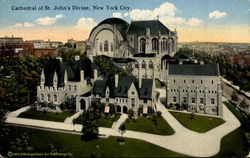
[(50, 116), (102, 147), (199, 123), (102, 122), (146, 125), (234, 145)]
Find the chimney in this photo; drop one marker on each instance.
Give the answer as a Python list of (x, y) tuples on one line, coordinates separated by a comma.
[(59, 58), (116, 80), (201, 62), (140, 82), (95, 74), (65, 77), (180, 62), (55, 80), (77, 57), (82, 75)]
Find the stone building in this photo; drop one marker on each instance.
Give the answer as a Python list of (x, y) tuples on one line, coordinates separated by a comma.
[(195, 88), (64, 81), (126, 92), (145, 41)]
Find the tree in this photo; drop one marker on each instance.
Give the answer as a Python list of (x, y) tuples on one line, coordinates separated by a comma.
[(122, 129), (131, 113), (234, 97), (243, 104), (90, 129), (21, 144)]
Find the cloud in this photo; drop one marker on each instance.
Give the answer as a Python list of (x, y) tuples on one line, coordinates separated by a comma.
[(217, 14), (194, 22), (25, 24), (117, 15), (126, 14), (85, 23), (165, 9), (47, 21)]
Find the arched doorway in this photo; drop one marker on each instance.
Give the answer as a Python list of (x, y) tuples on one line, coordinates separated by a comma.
[(118, 108), (82, 104), (125, 109)]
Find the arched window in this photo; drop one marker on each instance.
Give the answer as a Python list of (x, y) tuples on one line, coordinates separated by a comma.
[(48, 97), (111, 47), (100, 46), (151, 65), (55, 98), (142, 45), (136, 65), (155, 45), (143, 64), (172, 45), (164, 44), (42, 97), (106, 46)]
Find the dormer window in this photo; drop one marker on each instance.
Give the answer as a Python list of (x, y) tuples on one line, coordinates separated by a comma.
[(132, 93)]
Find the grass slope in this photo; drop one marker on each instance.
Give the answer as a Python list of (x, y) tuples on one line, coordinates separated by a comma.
[(198, 123), (146, 125)]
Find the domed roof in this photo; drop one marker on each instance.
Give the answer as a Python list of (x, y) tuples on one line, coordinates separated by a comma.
[(120, 24)]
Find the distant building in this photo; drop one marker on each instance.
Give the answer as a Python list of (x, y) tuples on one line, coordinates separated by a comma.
[(81, 46), (44, 51), (71, 41), (19, 49), (242, 58), (12, 39)]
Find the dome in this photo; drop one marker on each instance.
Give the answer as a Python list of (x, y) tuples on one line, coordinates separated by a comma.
[(120, 24)]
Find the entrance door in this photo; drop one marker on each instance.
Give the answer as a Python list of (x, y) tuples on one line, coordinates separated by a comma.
[(83, 104), (118, 108), (125, 109)]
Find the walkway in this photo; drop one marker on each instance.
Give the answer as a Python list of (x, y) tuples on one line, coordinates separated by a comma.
[(120, 121), (69, 120), (183, 141)]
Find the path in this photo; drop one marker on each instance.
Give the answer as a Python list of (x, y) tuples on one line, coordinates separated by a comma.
[(120, 121), (183, 141), (69, 120)]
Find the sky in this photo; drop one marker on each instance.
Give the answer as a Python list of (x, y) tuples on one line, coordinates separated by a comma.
[(194, 20)]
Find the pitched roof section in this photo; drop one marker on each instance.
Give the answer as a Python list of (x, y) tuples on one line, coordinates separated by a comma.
[(73, 70), (196, 70), (139, 27), (124, 83)]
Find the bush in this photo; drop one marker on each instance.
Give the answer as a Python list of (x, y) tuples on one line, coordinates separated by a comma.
[(159, 113)]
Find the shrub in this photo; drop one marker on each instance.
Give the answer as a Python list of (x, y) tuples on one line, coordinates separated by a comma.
[(159, 113)]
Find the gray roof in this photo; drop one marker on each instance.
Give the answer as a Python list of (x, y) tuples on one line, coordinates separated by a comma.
[(139, 27), (124, 83), (194, 70), (73, 70)]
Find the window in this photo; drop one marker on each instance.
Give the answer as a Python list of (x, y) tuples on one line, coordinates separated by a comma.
[(145, 100), (136, 65), (75, 88), (132, 93), (142, 45), (155, 45), (69, 87), (202, 100), (192, 81), (48, 97), (172, 45), (42, 97), (55, 98), (184, 99), (106, 46), (212, 101), (174, 99), (193, 100), (111, 47), (143, 65), (184, 81), (100, 46), (201, 81), (164, 44), (107, 100), (212, 82), (133, 102), (151, 65)]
